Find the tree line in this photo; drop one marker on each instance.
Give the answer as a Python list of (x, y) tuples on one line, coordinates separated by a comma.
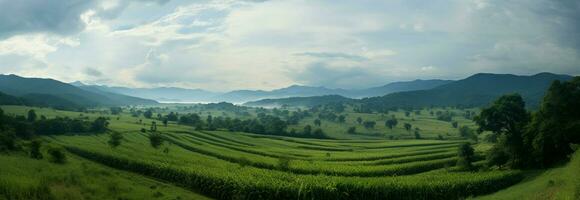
[(540, 138)]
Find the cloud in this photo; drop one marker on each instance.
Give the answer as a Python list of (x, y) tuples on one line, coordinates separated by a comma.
[(333, 55), (228, 44), (93, 72), (33, 16)]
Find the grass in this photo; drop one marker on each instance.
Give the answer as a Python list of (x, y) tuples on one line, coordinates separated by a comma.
[(25, 178), (557, 183), (233, 165)]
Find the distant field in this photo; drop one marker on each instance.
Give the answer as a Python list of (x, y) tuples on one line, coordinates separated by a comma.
[(235, 165)]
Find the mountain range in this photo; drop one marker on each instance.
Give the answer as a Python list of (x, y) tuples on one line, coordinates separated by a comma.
[(172, 94), (53, 93), (476, 90)]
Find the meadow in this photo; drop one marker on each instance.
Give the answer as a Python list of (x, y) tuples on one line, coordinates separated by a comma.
[(236, 165)]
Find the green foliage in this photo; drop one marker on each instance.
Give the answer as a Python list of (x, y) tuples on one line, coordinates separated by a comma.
[(556, 125), (100, 125), (35, 149), (115, 139), (408, 126), (31, 116), (116, 110), (351, 130), (317, 122), (155, 139), (507, 117), (466, 156), (57, 155), (391, 123), (369, 124), (148, 114), (7, 140)]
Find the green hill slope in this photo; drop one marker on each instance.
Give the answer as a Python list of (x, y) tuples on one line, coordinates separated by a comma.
[(48, 92), (476, 90)]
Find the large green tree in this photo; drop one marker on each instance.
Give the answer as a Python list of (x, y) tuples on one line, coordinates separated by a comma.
[(556, 124), (506, 118)]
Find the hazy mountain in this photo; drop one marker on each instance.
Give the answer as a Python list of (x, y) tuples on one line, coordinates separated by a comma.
[(399, 87), (239, 96), (174, 94), (299, 101), (49, 92), (476, 90), (307, 91), (163, 94)]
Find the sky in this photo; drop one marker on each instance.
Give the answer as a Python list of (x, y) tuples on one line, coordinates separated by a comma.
[(223, 45)]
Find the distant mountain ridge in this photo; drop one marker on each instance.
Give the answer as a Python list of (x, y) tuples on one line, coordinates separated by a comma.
[(476, 90), (173, 94), (300, 101), (53, 93)]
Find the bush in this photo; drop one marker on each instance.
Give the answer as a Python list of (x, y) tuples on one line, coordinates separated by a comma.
[(35, 149), (466, 157), (7, 140), (156, 139), (57, 155)]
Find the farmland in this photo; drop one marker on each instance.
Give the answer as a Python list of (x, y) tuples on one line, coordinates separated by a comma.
[(223, 164)]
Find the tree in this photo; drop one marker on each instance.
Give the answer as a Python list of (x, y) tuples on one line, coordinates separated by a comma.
[(417, 134), (318, 133), (35, 149), (351, 130), (57, 155), (155, 139), (369, 124), (116, 110), (165, 121), (359, 120), (391, 123), (465, 132), (115, 139), (148, 114), (454, 124), (153, 126), (556, 124), (31, 116), (341, 119), (307, 130), (99, 125), (7, 140), (466, 156), (408, 126), (317, 122), (506, 117)]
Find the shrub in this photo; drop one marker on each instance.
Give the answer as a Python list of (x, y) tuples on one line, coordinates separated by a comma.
[(35, 149), (57, 155)]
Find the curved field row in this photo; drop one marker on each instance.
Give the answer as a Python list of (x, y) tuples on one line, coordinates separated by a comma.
[(248, 183)]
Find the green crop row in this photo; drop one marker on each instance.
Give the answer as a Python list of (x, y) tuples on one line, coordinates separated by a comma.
[(225, 185)]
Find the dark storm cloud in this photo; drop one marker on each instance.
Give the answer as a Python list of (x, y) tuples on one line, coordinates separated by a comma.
[(53, 16)]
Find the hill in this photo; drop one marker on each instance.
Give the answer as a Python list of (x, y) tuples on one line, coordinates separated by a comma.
[(239, 96), (175, 94), (299, 101), (476, 90), (10, 100), (398, 87), (163, 94), (49, 92)]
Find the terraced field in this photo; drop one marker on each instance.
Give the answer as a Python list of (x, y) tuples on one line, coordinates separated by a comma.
[(236, 165), (228, 165)]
